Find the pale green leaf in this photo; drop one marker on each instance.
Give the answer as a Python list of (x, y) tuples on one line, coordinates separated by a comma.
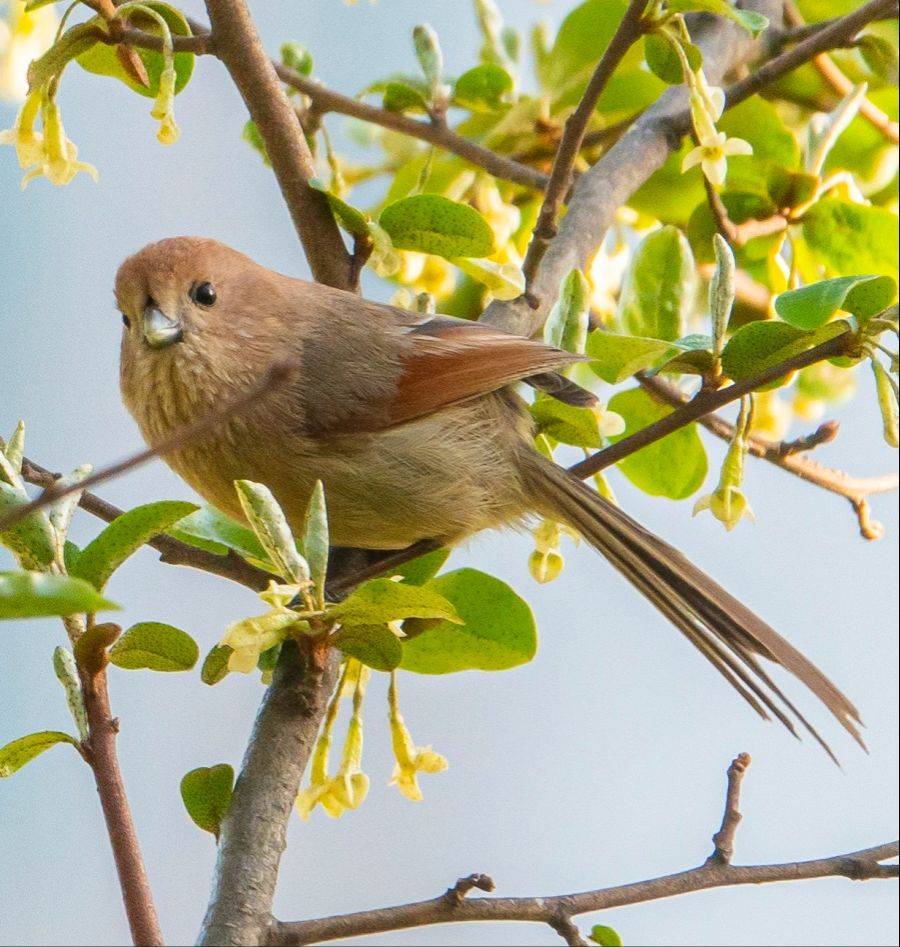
[(268, 521), (853, 238), (380, 600), (36, 595), (617, 357), (484, 88), (156, 647), (15, 755), (567, 325), (812, 306), (431, 223)]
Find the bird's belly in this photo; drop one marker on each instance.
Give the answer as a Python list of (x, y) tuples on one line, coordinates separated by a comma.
[(440, 477)]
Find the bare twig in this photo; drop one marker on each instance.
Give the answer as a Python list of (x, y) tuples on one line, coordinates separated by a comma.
[(833, 75), (254, 829), (463, 886), (239, 47), (790, 457), (723, 840), (100, 753), (627, 33), (276, 375), (706, 402)]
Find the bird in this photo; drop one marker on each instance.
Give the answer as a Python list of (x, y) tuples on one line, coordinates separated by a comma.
[(414, 425)]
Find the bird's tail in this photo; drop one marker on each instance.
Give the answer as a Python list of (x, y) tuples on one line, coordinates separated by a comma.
[(724, 630)]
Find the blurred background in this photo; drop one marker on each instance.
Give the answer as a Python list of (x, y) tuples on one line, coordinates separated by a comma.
[(601, 762)]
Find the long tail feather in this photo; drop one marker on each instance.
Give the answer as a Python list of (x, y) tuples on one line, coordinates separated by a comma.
[(723, 629)]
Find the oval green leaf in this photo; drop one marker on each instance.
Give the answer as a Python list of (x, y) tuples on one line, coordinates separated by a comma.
[(418, 571), (674, 466), (853, 238), (15, 755), (617, 357), (206, 793), (375, 645), (659, 288), (812, 306), (497, 633), (566, 423), (210, 529), (483, 88), (431, 223), (33, 539), (36, 595), (154, 646), (124, 536), (103, 61), (215, 664), (380, 600)]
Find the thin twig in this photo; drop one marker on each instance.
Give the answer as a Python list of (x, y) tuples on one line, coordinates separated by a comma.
[(723, 840), (276, 375), (238, 45), (707, 402), (834, 76), (790, 457), (627, 33), (100, 753)]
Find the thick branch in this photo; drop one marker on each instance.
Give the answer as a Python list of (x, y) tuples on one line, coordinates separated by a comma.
[(254, 830), (101, 755), (239, 47), (627, 33), (862, 865)]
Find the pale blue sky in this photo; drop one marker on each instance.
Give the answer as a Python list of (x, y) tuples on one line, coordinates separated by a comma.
[(601, 762)]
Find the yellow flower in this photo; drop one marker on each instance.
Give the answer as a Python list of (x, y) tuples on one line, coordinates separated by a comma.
[(609, 423), (163, 107), (411, 759), (348, 788), (546, 562), (712, 155), (58, 161), (29, 144), (249, 637), (727, 502), (23, 37)]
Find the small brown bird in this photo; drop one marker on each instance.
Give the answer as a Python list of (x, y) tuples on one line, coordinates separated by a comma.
[(411, 423)]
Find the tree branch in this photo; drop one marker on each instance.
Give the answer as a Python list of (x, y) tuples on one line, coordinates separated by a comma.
[(558, 911), (239, 47), (789, 456), (644, 148), (832, 74), (254, 830), (706, 402), (627, 33), (100, 753)]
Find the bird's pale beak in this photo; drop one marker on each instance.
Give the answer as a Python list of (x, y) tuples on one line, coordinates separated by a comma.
[(159, 329)]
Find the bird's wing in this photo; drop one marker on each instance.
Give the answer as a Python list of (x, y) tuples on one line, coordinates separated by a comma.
[(397, 365)]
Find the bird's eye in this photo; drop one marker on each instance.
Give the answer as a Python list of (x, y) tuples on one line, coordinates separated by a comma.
[(126, 321), (203, 294)]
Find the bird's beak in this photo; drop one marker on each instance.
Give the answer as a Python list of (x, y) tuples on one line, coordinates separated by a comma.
[(159, 329)]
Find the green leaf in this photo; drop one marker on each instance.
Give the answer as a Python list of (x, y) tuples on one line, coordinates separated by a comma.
[(400, 97), (206, 793), (354, 221), (156, 647), (761, 345), (33, 539), (102, 59), (268, 521), (566, 423), (605, 936), (314, 542), (124, 536), (497, 633), (36, 595), (210, 529), (15, 447), (567, 325), (750, 20), (380, 600), (880, 56), (664, 62), (418, 571), (581, 40), (658, 290), (15, 755), (674, 466), (375, 645), (215, 664), (483, 88), (759, 122), (812, 306), (617, 357), (431, 223), (853, 238), (297, 57), (252, 136)]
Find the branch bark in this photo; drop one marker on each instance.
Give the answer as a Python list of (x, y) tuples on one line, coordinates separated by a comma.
[(101, 755), (239, 47), (254, 830)]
